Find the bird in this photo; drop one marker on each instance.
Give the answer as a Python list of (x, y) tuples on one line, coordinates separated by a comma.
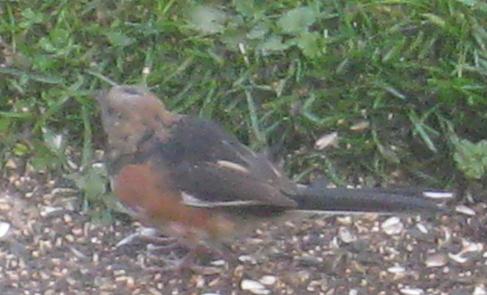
[(190, 179)]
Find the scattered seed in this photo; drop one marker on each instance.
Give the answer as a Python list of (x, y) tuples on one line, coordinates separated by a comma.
[(469, 246), (360, 126), (4, 228), (268, 280), (10, 164), (465, 210), (436, 260), (392, 226), (330, 139), (346, 235), (397, 269), (480, 290), (247, 258), (422, 228), (49, 210), (67, 218), (459, 258), (254, 287), (411, 291), (219, 262), (344, 220)]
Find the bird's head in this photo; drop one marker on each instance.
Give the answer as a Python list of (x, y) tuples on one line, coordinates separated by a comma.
[(130, 115)]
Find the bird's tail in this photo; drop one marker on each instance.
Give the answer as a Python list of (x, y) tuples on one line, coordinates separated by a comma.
[(386, 201)]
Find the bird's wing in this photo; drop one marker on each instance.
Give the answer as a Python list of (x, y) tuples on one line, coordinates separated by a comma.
[(212, 169)]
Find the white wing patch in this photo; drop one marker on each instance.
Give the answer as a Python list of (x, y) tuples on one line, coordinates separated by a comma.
[(438, 195), (232, 166), (191, 200)]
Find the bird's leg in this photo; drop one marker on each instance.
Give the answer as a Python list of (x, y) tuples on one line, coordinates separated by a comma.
[(187, 262), (162, 247), (148, 235)]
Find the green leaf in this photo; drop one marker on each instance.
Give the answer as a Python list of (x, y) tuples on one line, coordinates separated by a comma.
[(435, 19), (4, 125), (468, 2), (207, 19), (30, 18), (232, 37), (272, 44), (60, 38), (471, 158), (92, 182), (309, 44), (119, 39), (298, 20), (16, 115), (43, 161), (36, 77), (43, 158), (46, 44), (21, 149), (245, 7), (258, 31)]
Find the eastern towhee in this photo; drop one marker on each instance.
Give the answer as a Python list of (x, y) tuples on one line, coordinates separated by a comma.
[(191, 179)]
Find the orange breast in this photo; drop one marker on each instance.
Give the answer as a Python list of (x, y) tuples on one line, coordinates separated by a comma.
[(149, 192)]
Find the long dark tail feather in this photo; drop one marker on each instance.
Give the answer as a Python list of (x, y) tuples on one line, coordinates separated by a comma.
[(365, 200)]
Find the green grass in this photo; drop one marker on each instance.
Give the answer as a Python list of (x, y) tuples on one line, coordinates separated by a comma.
[(277, 74)]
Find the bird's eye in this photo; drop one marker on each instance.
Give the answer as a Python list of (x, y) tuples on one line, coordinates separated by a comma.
[(113, 113)]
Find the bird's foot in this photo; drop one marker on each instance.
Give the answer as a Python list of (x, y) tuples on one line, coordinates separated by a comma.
[(147, 235), (170, 252), (186, 263)]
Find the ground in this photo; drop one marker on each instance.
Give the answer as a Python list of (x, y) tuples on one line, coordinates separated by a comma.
[(48, 246)]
